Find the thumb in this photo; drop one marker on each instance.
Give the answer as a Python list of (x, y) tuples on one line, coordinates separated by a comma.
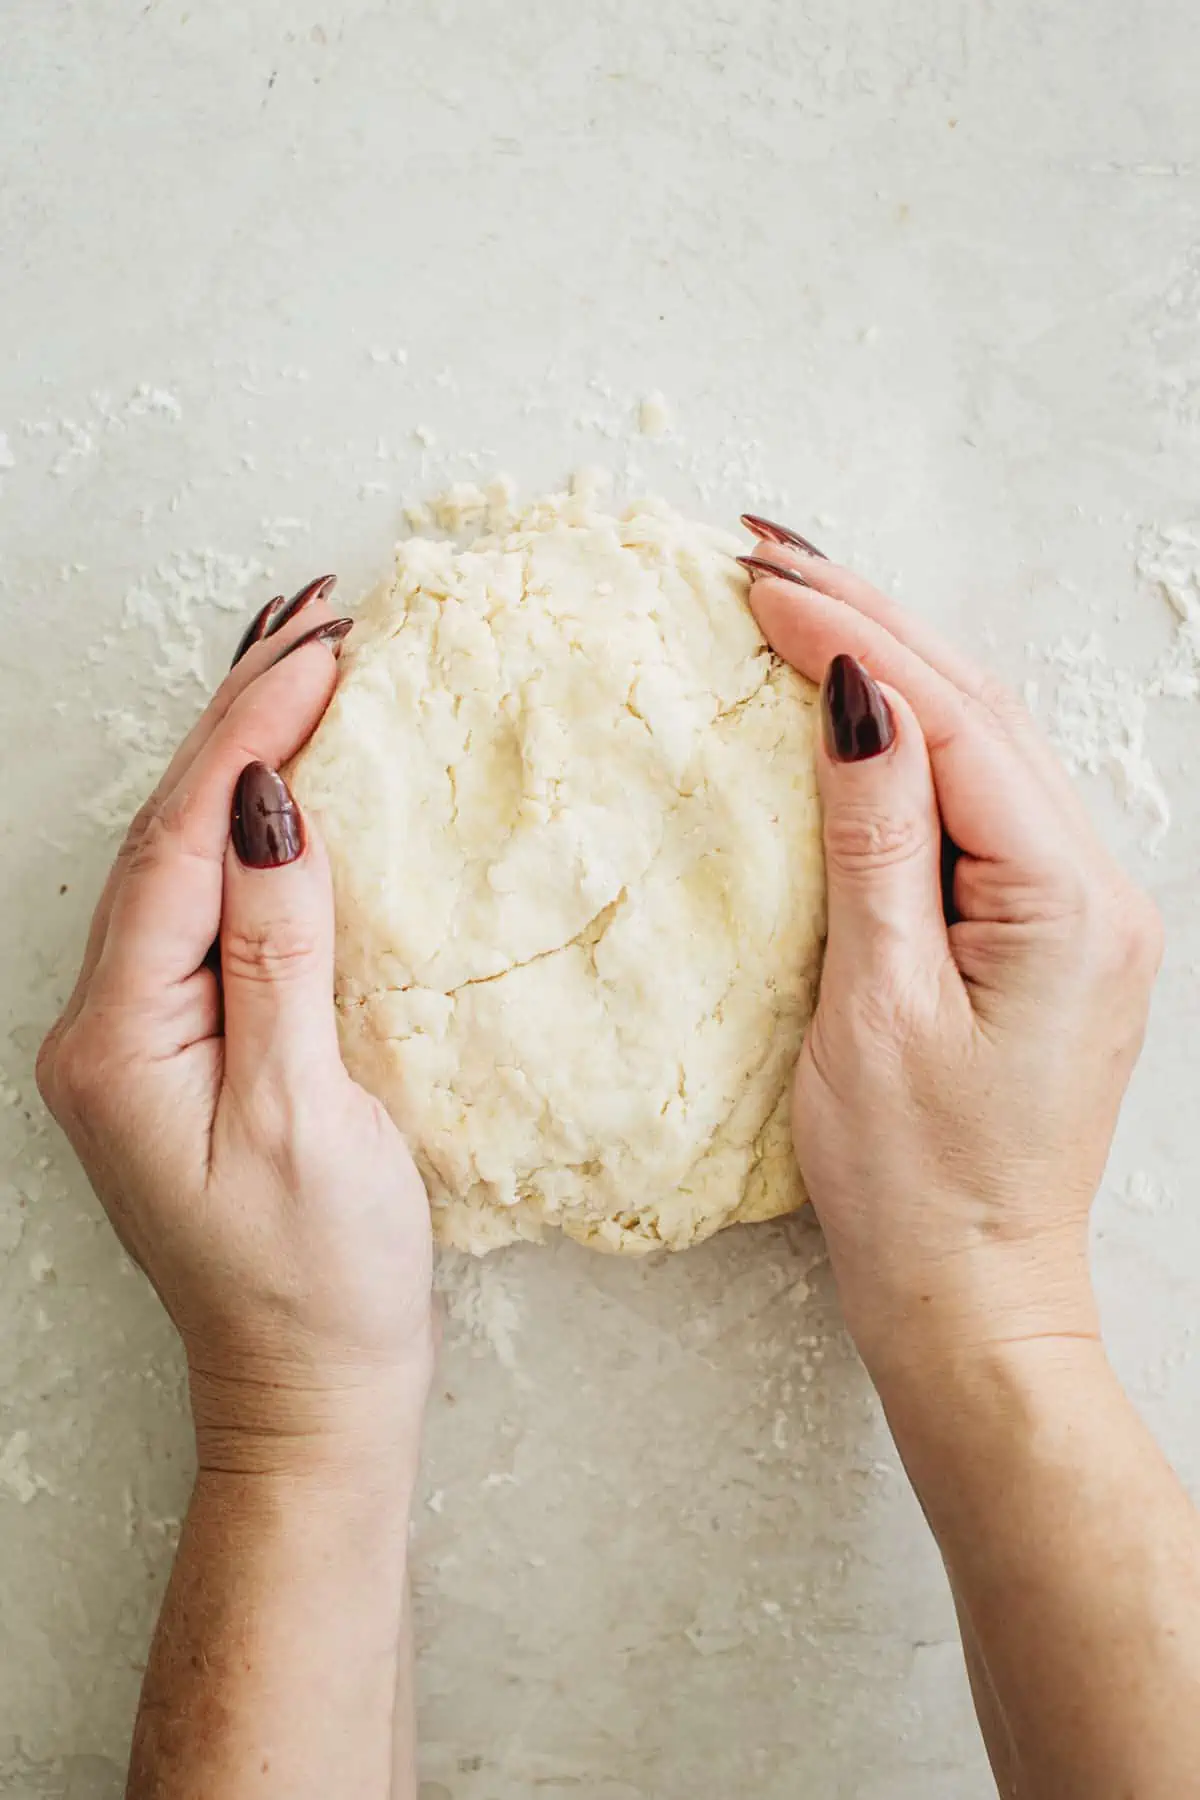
[(883, 834), (276, 937)]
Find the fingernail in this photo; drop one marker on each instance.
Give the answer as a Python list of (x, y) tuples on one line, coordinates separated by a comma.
[(855, 717), (259, 627), (267, 828), (331, 634), (277, 612), (780, 534), (320, 589), (758, 565)]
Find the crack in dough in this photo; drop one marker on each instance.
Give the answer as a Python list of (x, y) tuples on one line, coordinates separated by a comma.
[(588, 938), (575, 842)]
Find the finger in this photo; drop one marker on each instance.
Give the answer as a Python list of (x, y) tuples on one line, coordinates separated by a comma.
[(992, 805), (883, 834), (276, 939), (167, 909), (268, 636), (283, 627), (927, 643), (779, 544), (278, 613)]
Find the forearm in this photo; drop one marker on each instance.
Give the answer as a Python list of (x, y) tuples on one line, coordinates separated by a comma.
[(1074, 1554), (274, 1665)]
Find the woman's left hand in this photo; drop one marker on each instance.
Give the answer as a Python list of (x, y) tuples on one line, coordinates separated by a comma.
[(270, 1200)]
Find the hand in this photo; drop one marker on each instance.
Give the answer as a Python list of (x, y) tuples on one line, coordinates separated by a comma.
[(960, 1082), (271, 1202)]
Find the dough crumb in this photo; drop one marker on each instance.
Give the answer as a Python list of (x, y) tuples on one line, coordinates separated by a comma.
[(654, 415)]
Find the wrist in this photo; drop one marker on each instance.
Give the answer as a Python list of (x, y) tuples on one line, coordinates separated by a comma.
[(352, 1430), (917, 1325)]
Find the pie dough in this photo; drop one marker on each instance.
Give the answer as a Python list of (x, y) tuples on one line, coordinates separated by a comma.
[(569, 799)]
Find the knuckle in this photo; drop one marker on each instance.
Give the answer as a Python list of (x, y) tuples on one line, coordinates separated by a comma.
[(1135, 933), (1066, 893), (858, 841), (69, 1069), (276, 950), (46, 1065), (140, 846), (1120, 939), (139, 825)]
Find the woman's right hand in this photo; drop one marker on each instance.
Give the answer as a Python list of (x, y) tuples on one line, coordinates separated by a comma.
[(960, 1082)]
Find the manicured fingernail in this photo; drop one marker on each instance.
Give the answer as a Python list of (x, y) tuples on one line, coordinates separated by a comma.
[(259, 627), (330, 634), (277, 612), (758, 565), (780, 534), (267, 828), (320, 589), (855, 717)]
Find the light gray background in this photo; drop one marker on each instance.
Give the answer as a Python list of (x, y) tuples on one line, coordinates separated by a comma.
[(924, 276)]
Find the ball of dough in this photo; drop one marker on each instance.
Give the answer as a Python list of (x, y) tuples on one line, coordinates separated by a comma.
[(569, 798)]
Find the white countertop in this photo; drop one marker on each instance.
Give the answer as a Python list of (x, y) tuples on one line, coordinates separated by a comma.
[(921, 278)]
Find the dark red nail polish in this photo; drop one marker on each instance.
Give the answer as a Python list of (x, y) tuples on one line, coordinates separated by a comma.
[(320, 589), (855, 717), (780, 534), (267, 828), (260, 626), (330, 634), (277, 612), (758, 565)]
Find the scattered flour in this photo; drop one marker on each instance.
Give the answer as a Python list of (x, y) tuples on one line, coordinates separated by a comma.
[(1099, 725), (1169, 559), (79, 443), (81, 439), (143, 743), (12, 1219), (176, 602), (731, 469), (147, 400), (17, 1478), (478, 1301), (1099, 709), (280, 534), (1145, 1193)]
